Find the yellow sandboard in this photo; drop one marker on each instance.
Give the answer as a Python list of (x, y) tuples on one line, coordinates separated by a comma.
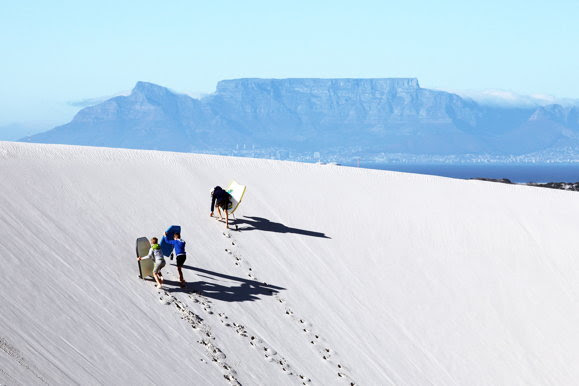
[(236, 191), (145, 265)]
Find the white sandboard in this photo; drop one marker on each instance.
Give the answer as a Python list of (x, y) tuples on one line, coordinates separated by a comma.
[(145, 265), (236, 191)]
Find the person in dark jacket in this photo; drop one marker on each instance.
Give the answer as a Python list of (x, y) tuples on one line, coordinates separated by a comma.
[(222, 199), (180, 254)]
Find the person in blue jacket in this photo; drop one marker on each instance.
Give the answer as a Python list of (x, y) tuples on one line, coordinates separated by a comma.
[(180, 253)]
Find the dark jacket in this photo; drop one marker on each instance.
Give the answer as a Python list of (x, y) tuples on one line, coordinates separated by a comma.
[(221, 197)]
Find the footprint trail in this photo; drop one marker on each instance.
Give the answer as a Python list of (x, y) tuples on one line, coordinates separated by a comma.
[(312, 337)]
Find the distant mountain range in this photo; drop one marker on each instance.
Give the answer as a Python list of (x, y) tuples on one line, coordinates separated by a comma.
[(352, 116)]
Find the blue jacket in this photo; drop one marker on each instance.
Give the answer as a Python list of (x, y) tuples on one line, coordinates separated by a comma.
[(178, 244)]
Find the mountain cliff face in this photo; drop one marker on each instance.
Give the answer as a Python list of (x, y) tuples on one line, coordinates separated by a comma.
[(373, 115)]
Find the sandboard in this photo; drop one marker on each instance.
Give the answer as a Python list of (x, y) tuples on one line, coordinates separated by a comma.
[(236, 191), (145, 265), (166, 247)]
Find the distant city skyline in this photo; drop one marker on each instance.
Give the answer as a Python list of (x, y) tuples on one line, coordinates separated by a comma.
[(59, 54)]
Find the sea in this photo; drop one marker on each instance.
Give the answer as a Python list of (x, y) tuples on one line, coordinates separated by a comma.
[(515, 172)]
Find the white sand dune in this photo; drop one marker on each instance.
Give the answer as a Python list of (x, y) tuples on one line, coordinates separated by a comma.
[(393, 278)]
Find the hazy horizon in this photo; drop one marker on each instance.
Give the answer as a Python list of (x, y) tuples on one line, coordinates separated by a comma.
[(13, 130), (67, 52)]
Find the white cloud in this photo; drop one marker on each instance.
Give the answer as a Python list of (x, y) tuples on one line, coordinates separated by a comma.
[(497, 97), (95, 101)]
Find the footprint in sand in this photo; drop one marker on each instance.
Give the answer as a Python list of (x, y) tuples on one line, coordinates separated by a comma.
[(213, 352), (314, 339), (257, 343)]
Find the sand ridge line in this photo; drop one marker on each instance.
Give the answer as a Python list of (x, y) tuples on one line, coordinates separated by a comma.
[(15, 354)]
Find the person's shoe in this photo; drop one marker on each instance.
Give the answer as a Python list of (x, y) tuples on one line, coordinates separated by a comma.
[(159, 286)]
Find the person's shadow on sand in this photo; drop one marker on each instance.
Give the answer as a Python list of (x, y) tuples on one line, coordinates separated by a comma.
[(246, 290), (263, 224)]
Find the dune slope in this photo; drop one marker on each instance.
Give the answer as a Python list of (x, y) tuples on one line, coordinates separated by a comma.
[(336, 275)]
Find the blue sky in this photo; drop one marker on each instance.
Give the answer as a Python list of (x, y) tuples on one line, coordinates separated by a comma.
[(54, 53)]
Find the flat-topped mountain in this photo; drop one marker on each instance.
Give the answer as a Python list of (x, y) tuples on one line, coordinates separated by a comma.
[(371, 115)]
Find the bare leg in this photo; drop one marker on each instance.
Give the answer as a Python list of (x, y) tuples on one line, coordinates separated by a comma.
[(219, 211), (226, 218), (181, 279), (156, 276)]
